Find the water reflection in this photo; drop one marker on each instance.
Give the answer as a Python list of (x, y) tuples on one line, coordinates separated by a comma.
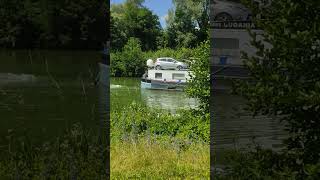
[(169, 100), (127, 90), (234, 126), (8, 78), (44, 97)]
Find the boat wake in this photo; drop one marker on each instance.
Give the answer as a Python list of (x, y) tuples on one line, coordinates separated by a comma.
[(115, 86)]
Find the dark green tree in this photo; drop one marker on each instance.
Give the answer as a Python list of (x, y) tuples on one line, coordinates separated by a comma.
[(53, 24), (132, 19), (188, 23), (199, 85), (285, 76), (129, 62)]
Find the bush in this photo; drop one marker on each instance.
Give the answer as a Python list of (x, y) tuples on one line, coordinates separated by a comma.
[(76, 155), (265, 164), (130, 61), (138, 120), (199, 84), (285, 74)]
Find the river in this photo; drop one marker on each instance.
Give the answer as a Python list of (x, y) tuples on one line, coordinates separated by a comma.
[(42, 93), (233, 126), (125, 91)]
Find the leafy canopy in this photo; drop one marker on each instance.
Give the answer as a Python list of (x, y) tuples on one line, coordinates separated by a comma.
[(188, 23), (199, 85), (286, 75), (132, 19)]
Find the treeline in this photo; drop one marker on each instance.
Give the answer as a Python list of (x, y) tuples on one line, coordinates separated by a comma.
[(71, 24), (187, 25), (131, 60), (137, 34)]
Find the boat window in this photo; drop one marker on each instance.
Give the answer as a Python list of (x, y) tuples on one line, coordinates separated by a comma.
[(158, 75), (178, 76)]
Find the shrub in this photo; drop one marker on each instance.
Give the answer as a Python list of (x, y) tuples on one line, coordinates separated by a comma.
[(199, 84), (129, 62), (259, 163), (78, 154), (138, 119)]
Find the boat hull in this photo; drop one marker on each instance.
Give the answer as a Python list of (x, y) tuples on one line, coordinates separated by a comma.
[(159, 85)]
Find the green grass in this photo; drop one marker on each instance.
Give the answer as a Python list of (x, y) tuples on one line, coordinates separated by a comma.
[(78, 154), (139, 119), (150, 158), (154, 144), (146, 144)]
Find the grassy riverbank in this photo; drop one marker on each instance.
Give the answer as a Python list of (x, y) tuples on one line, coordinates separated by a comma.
[(145, 143), (151, 158), (149, 144), (79, 153)]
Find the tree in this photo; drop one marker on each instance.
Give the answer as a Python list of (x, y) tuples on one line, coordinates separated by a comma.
[(53, 24), (11, 23), (132, 19), (118, 33), (129, 62), (188, 23), (199, 84), (285, 77)]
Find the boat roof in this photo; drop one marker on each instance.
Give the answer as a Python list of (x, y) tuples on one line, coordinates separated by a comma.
[(168, 71)]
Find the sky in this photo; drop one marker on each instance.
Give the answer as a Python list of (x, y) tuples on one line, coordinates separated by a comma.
[(158, 7)]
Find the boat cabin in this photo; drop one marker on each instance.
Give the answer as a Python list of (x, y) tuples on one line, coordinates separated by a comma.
[(168, 75)]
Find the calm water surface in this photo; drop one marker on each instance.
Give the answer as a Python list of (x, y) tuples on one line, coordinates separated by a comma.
[(125, 91), (44, 92), (234, 127)]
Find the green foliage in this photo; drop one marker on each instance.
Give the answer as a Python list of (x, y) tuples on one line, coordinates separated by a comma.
[(132, 19), (188, 23), (137, 119), (153, 158), (130, 61), (181, 54), (259, 163), (199, 84), (77, 154), (53, 24), (81, 154), (286, 76)]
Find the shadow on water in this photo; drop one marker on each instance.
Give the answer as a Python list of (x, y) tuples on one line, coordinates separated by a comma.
[(44, 92)]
